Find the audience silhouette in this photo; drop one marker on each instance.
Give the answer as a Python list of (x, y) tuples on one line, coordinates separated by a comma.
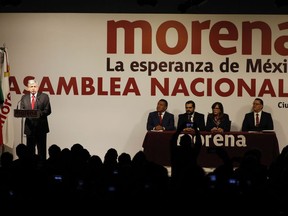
[(72, 179)]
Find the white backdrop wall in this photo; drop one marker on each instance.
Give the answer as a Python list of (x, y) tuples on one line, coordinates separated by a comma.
[(111, 111)]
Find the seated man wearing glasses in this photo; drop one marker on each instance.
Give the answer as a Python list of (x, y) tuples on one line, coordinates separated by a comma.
[(257, 120)]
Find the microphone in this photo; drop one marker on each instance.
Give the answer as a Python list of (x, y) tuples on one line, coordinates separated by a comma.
[(189, 123)]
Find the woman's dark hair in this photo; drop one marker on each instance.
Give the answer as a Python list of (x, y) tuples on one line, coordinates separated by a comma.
[(220, 105)]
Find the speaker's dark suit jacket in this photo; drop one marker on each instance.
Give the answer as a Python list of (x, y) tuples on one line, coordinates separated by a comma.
[(198, 120), (153, 120), (36, 125), (266, 122)]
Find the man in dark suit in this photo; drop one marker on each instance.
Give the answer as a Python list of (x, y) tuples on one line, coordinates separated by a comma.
[(264, 122), (190, 117), (160, 119), (36, 129)]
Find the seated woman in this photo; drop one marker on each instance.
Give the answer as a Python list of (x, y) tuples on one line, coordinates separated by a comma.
[(218, 121)]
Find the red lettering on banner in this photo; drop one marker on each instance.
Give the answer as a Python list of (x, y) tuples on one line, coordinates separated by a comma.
[(218, 33), (161, 37), (267, 88), (281, 89), (200, 87), (180, 87), (250, 89)]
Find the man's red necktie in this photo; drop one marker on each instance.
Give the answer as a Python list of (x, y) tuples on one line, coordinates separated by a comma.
[(33, 101), (257, 120), (160, 118)]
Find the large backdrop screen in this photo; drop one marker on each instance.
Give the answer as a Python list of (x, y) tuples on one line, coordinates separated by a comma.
[(105, 72)]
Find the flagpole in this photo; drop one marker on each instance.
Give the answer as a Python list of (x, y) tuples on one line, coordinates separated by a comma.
[(2, 144), (7, 128)]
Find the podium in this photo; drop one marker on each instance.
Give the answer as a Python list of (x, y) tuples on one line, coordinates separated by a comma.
[(20, 113)]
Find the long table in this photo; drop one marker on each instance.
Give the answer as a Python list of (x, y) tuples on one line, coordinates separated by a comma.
[(156, 146)]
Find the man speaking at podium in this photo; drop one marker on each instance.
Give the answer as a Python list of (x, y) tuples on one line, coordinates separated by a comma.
[(36, 129)]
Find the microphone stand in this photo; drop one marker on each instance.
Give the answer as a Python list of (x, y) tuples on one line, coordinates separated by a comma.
[(22, 122), (22, 128)]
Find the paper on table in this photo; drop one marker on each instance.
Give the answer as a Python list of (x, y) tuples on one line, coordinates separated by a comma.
[(268, 131), (157, 130)]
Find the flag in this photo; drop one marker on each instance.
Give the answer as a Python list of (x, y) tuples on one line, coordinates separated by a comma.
[(6, 112)]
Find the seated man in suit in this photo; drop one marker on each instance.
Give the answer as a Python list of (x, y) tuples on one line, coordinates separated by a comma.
[(161, 119), (191, 119), (257, 120)]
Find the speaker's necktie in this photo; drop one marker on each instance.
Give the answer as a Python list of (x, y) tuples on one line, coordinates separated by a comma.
[(33, 101)]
